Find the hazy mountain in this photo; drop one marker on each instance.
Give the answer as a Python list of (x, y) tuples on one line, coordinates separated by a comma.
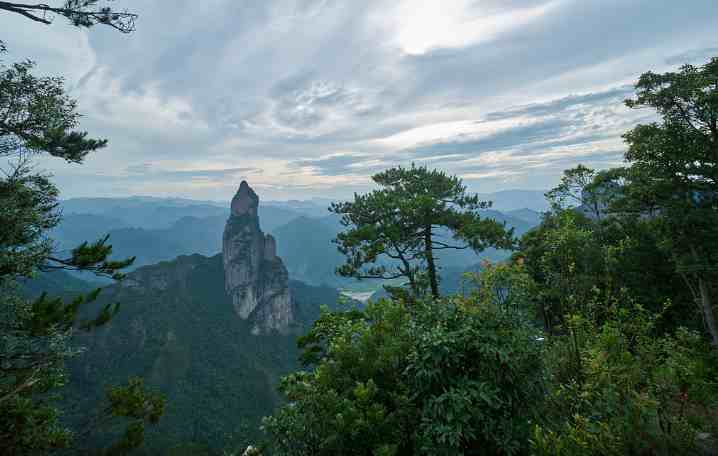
[(76, 228), (509, 200), (54, 283), (315, 207), (530, 216), (160, 213), (187, 234), (305, 245), (304, 242)]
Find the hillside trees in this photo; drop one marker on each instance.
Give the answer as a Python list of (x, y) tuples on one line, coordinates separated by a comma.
[(614, 270), (402, 222)]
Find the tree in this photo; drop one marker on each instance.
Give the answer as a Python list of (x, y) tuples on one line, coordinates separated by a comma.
[(572, 190), (80, 13), (407, 220), (36, 116), (672, 175), (586, 190)]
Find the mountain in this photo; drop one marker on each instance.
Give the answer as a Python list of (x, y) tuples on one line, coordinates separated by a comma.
[(302, 240), (509, 200), (186, 235), (77, 228), (306, 246), (157, 213), (218, 331), (141, 212), (532, 217), (315, 207), (178, 329), (54, 283)]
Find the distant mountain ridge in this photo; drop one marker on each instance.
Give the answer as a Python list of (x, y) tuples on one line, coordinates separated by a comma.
[(304, 231)]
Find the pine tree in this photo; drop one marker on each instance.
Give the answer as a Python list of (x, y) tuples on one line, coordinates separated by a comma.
[(400, 223)]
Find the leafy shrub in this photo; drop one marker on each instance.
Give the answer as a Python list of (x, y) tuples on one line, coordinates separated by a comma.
[(451, 376), (630, 392)]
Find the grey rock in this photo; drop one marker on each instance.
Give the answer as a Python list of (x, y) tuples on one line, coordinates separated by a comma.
[(255, 277)]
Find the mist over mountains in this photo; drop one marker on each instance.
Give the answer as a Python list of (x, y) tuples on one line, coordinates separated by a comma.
[(160, 229)]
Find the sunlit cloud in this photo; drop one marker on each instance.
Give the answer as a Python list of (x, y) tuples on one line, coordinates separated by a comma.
[(428, 25)]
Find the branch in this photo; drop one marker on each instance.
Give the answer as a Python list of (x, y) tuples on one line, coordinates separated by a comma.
[(23, 386), (379, 276), (124, 22), (443, 246), (9, 7)]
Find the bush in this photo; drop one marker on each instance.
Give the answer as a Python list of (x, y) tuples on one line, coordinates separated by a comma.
[(451, 376), (618, 389)]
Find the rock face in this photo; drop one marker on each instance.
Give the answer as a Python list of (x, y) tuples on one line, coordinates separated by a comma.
[(255, 277)]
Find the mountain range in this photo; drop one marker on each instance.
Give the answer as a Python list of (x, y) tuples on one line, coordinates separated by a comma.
[(154, 229)]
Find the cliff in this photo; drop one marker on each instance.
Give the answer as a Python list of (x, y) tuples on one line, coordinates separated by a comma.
[(255, 277)]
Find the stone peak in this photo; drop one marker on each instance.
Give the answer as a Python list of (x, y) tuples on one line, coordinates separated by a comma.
[(245, 201)]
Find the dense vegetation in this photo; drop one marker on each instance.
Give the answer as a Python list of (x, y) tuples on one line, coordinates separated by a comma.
[(597, 337)]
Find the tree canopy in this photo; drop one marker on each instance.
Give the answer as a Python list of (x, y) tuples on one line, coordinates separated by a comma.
[(673, 174), (396, 230)]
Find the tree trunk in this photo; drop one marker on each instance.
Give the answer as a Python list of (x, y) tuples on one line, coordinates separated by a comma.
[(708, 314), (430, 263), (706, 302)]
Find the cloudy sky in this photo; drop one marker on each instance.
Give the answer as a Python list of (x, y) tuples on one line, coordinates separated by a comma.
[(308, 98)]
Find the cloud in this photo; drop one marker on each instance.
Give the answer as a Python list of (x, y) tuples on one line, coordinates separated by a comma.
[(429, 26), (694, 56), (311, 97), (148, 170)]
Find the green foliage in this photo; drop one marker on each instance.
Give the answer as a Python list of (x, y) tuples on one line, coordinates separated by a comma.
[(36, 116), (27, 210), (30, 367), (447, 376), (575, 259), (507, 286), (618, 389), (399, 223), (139, 406), (185, 339), (673, 175)]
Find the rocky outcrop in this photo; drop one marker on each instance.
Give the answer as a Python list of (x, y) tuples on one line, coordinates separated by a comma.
[(255, 277)]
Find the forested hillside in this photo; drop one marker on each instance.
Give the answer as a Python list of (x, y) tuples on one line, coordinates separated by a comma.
[(178, 331)]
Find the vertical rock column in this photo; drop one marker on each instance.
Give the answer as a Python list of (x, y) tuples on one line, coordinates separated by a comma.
[(255, 277)]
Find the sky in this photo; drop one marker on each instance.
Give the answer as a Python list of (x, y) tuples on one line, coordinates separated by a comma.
[(309, 98)]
